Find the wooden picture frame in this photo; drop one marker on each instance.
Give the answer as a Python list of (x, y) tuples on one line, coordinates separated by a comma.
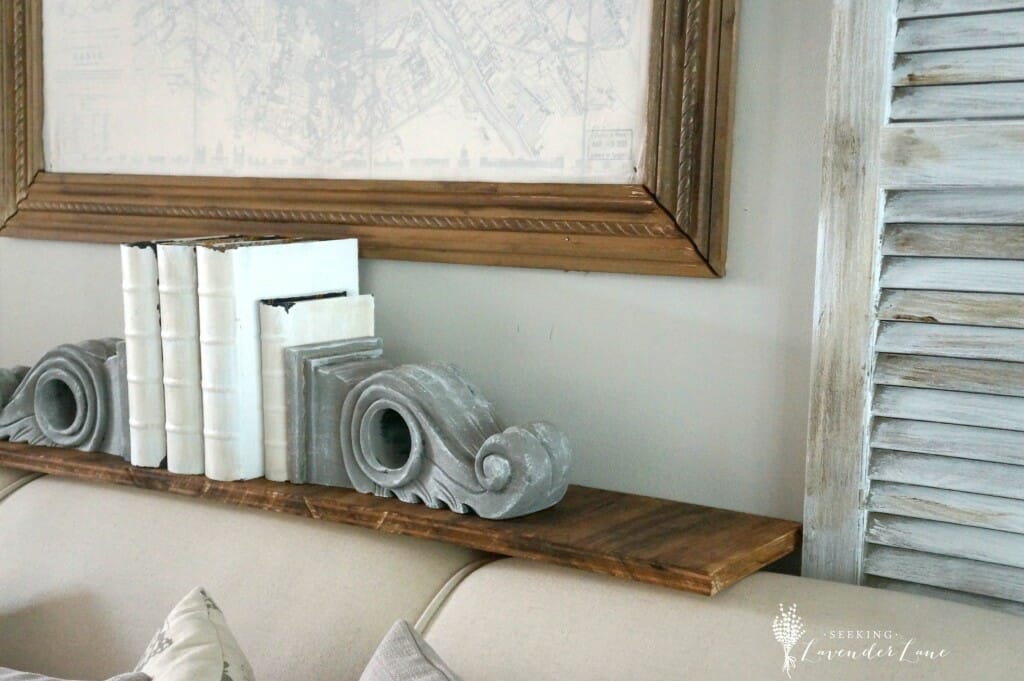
[(674, 224)]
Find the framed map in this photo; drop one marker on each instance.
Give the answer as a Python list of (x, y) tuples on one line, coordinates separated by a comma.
[(494, 90), (578, 134)]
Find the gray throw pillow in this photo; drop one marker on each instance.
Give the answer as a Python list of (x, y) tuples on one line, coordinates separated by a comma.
[(15, 675), (403, 655)]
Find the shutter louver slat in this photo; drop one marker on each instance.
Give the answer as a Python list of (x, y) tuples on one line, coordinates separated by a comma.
[(952, 307), (943, 439), (955, 241), (967, 31), (963, 475), (929, 8), (990, 546), (959, 66), (957, 102), (946, 373), (972, 576), (947, 406), (951, 340), (948, 506), (953, 274), (977, 205)]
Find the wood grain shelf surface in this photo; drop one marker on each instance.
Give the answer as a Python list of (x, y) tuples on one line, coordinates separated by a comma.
[(673, 544)]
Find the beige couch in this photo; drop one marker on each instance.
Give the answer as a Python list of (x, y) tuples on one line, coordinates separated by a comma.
[(88, 572)]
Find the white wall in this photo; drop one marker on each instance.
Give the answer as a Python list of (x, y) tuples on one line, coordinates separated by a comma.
[(680, 388)]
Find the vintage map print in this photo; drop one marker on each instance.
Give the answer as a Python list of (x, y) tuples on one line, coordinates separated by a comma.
[(504, 90)]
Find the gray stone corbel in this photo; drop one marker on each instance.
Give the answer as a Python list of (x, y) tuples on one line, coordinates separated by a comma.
[(318, 376), (75, 397), (421, 433)]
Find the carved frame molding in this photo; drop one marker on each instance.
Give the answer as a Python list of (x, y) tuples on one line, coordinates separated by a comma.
[(674, 224)]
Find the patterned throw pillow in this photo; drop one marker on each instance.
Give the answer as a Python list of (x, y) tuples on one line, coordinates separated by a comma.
[(403, 655), (195, 644)]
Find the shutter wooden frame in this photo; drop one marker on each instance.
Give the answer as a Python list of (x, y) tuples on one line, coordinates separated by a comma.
[(844, 290)]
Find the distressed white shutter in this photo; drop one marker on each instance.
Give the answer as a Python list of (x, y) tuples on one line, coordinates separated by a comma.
[(942, 504)]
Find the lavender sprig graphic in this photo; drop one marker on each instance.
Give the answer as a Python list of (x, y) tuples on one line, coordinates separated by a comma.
[(788, 628)]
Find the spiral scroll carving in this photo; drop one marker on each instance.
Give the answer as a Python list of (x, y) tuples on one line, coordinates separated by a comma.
[(523, 469), (424, 434), (73, 398)]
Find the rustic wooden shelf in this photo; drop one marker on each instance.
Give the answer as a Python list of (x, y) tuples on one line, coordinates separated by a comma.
[(682, 546)]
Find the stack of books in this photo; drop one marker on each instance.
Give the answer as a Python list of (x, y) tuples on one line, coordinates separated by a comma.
[(206, 323)]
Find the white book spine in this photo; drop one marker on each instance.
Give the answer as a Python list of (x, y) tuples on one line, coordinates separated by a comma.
[(274, 334), (296, 322), (232, 281), (179, 333), (217, 331), (144, 362)]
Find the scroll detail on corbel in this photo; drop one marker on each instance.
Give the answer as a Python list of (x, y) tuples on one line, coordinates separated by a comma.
[(74, 397), (421, 433)]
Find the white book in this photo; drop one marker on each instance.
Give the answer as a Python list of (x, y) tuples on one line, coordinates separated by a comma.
[(179, 335), (232, 279), (143, 355), (285, 322)]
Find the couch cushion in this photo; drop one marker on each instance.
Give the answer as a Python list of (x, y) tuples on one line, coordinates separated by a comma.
[(88, 572), (513, 620)]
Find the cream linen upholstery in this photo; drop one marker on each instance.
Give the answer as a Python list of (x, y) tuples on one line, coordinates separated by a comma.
[(512, 620), (88, 572)]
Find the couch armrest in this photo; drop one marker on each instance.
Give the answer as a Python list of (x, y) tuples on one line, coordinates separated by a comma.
[(12, 479)]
